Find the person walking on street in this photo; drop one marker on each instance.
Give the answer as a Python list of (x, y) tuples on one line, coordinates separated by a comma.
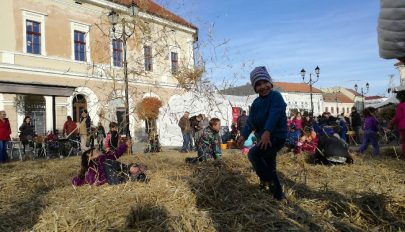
[(26, 132), (355, 121), (184, 124), (84, 129), (5, 132)]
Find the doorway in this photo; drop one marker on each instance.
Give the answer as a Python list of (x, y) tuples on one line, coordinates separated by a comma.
[(79, 104)]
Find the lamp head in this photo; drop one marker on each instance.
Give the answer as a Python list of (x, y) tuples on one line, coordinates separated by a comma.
[(133, 9), (113, 17), (317, 70), (303, 73)]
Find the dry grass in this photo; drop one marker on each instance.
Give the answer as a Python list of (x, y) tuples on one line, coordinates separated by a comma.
[(214, 196)]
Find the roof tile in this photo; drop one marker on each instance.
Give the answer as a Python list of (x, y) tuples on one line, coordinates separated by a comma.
[(153, 8), (340, 97), (295, 87)]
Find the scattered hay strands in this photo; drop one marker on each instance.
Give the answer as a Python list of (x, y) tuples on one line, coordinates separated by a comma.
[(213, 196)]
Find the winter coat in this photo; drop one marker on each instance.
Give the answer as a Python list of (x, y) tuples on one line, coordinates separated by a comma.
[(111, 142), (69, 127), (87, 123), (26, 131), (241, 121), (370, 124), (184, 125), (96, 175), (298, 123), (267, 114), (391, 29), (5, 130), (356, 119), (208, 145), (399, 118)]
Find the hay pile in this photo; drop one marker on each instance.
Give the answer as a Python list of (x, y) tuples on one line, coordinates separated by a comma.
[(214, 196)]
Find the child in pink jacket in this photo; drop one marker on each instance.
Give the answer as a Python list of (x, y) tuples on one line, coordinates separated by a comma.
[(399, 118)]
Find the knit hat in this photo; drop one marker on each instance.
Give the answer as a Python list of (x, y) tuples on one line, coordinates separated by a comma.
[(258, 74)]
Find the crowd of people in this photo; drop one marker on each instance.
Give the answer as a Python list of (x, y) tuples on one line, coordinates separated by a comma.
[(261, 135), (82, 135)]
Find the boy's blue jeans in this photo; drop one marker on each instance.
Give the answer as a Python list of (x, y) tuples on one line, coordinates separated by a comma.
[(264, 163)]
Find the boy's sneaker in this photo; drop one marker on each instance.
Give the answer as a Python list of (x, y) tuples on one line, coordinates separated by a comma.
[(264, 186), (279, 197)]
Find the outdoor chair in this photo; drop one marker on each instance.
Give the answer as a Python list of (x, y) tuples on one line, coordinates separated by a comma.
[(40, 147)]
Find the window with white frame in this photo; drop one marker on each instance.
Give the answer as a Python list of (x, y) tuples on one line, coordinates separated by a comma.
[(34, 33), (80, 42)]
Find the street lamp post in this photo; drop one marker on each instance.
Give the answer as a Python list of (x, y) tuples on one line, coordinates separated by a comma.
[(310, 82), (114, 19), (363, 91)]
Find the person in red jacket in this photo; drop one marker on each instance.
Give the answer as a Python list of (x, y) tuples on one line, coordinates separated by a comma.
[(399, 119), (5, 131), (70, 127)]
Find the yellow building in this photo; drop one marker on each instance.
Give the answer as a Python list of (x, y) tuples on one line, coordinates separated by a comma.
[(58, 57)]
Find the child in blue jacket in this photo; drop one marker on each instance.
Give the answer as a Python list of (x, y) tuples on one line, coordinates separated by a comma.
[(269, 120)]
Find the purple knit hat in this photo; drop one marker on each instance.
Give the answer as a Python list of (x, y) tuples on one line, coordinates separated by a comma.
[(258, 74)]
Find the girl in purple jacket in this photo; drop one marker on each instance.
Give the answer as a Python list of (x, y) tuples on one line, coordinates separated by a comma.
[(98, 168), (370, 128)]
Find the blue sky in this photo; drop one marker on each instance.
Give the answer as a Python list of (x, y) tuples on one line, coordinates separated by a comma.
[(286, 35)]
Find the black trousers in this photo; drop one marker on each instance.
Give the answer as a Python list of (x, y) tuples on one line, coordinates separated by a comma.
[(116, 172)]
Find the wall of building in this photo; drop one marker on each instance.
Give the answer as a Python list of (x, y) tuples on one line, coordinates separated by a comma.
[(95, 78), (302, 101), (343, 108)]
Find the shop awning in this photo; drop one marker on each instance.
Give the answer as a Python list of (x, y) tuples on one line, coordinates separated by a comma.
[(36, 89)]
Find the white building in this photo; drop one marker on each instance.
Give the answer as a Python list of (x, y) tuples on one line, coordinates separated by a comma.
[(337, 103), (350, 93)]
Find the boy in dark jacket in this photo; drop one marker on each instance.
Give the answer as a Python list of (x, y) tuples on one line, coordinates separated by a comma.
[(269, 120), (208, 145)]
